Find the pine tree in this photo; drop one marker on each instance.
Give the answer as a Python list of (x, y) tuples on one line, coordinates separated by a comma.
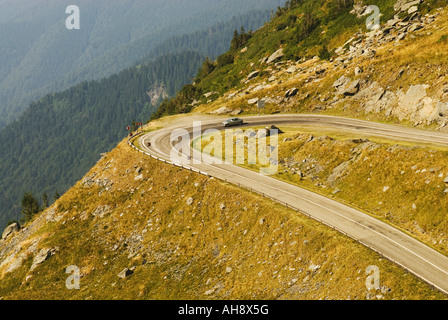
[(30, 206), (45, 201), (235, 43), (324, 54)]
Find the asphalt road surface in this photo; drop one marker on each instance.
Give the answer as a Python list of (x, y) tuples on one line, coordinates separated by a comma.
[(409, 253)]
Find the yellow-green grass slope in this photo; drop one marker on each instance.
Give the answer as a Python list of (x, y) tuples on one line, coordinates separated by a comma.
[(187, 236), (399, 183), (419, 59)]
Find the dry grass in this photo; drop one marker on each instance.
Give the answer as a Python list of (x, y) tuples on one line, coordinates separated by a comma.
[(423, 56), (197, 251), (396, 182)]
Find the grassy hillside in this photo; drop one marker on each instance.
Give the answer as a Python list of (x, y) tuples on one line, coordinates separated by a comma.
[(397, 182), (60, 137), (186, 236), (39, 55), (301, 28), (66, 131), (180, 235), (404, 61)]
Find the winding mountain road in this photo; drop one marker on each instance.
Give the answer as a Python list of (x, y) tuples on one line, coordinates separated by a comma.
[(411, 254)]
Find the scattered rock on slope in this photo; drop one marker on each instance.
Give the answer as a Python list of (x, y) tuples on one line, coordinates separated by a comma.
[(9, 230), (275, 56), (252, 75), (125, 273), (41, 257), (346, 86), (291, 92), (223, 110), (190, 201), (405, 5), (351, 89)]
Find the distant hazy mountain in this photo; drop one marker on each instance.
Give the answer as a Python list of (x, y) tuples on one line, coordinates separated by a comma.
[(38, 54), (59, 137)]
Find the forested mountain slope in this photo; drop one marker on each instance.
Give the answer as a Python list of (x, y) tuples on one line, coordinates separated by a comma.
[(62, 135), (138, 228), (39, 55), (214, 40), (165, 75)]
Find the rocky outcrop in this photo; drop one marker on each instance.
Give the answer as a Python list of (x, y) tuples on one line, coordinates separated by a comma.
[(16, 257), (101, 211), (407, 20), (10, 230), (342, 81), (42, 256), (221, 111), (405, 5), (354, 85), (371, 95), (275, 56), (126, 273), (412, 104), (359, 8), (90, 181), (291, 92), (157, 93), (345, 86), (417, 105)]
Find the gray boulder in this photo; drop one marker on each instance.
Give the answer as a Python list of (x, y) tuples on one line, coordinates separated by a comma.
[(369, 53), (405, 5), (125, 273), (221, 111), (253, 75), (415, 27), (342, 81), (291, 92), (41, 257), (252, 101), (350, 89), (412, 10), (392, 22), (236, 112), (401, 36), (275, 56), (11, 229), (291, 69)]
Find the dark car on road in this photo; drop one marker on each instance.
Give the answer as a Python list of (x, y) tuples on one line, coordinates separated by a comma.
[(233, 122)]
